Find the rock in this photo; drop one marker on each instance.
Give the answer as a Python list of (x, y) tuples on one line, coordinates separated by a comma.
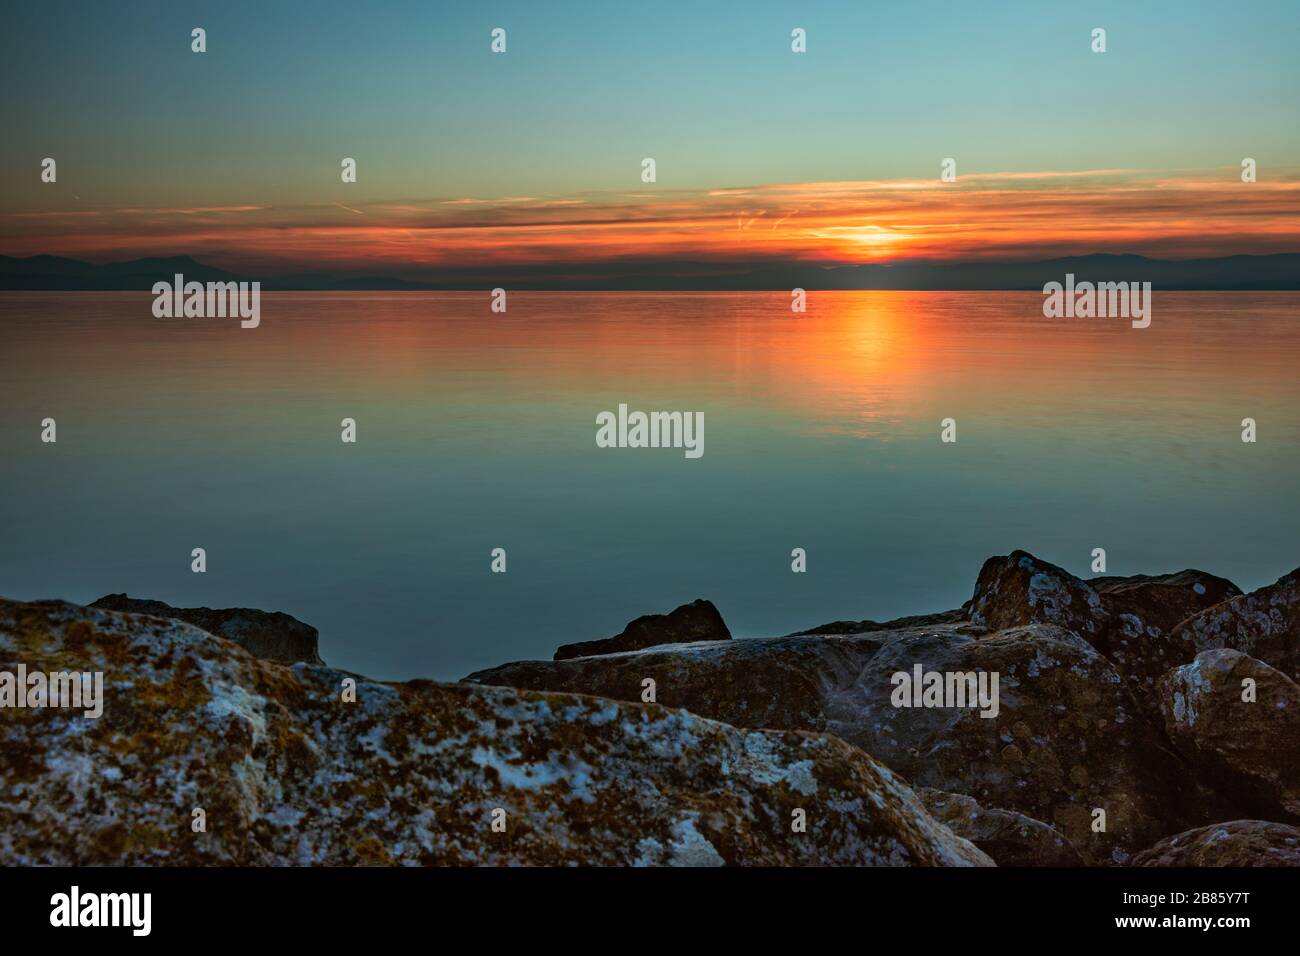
[(1069, 736), (1144, 611), (1130, 620), (954, 617), (1249, 752), (287, 772), (1010, 838), (1264, 624), (697, 621), (1018, 589), (1163, 601), (1238, 843), (271, 635)]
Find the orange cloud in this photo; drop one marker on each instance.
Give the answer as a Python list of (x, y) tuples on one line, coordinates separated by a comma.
[(981, 216)]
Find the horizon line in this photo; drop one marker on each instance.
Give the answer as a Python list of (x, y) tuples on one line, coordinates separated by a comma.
[(1279, 271)]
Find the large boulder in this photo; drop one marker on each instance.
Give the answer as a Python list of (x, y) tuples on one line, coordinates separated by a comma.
[(1237, 721), (1236, 843), (1017, 589), (1264, 624), (271, 635), (1131, 620), (287, 770), (1143, 612), (1162, 600), (697, 621), (1010, 838), (1068, 738)]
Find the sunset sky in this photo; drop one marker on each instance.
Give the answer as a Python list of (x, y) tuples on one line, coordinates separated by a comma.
[(534, 157)]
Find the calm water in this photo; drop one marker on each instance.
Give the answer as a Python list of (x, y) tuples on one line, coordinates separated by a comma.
[(477, 430)]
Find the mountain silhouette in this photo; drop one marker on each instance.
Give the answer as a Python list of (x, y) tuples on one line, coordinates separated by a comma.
[(54, 273)]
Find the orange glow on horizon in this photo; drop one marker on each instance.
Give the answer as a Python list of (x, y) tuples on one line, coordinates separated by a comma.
[(991, 216)]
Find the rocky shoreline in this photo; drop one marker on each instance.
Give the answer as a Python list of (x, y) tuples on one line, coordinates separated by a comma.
[(1143, 721)]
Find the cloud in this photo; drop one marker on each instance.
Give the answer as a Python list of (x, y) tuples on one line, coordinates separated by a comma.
[(983, 215)]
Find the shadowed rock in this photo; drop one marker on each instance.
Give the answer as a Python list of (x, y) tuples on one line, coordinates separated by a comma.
[(697, 621), (288, 772), (1144, 611), (1264, 624), (1248, 751), (1131, 620), (1237, 843), (1069, 737), (1017, 589), (1010, 838), (271, 635), (1163, 600), (953, 617)]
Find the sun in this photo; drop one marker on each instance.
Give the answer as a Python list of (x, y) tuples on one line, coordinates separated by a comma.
[(864, 240)]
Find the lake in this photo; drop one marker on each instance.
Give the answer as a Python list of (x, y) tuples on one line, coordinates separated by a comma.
[(477, 430)]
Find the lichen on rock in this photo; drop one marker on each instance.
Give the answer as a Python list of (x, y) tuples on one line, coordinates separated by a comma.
[(1233, 843), (1237, 721), (287, 772)]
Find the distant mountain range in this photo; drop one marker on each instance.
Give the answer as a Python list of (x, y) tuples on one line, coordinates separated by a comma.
[(1227, 273)]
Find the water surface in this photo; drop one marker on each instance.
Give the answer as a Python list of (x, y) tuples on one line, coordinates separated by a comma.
[(477, 430)]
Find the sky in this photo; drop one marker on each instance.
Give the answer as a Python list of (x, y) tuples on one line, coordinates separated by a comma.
[(535, 155)]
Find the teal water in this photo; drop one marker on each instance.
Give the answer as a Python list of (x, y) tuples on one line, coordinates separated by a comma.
[(477, 430)]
